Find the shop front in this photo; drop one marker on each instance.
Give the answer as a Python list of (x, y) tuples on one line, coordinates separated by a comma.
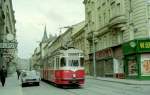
[(137, 59), (104, 63), (118, 62)]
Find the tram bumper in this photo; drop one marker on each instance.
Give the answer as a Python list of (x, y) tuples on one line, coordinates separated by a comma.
[(78, 81)]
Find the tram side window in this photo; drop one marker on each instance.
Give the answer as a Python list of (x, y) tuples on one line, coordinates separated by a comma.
[(53, 63), (63, 62), (82, 62), (57, 63)]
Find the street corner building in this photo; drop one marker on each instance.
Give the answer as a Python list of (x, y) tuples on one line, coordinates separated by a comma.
[(137, 58), (119, 38), (8, 42)]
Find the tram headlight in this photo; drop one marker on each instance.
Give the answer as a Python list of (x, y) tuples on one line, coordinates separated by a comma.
[(74, 75)]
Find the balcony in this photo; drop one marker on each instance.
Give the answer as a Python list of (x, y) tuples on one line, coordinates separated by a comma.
[(89, 36), (92, 37), (117, 21)]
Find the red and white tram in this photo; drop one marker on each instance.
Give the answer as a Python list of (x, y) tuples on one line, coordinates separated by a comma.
[(65, 67)]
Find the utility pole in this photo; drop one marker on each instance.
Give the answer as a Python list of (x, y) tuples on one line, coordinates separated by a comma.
[(66, 42), (94, 57)]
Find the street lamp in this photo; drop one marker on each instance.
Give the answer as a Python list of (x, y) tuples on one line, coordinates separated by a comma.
[(68, 27), (66, 43)]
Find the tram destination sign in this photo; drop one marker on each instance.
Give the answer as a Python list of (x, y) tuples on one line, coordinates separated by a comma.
[(8, 45)]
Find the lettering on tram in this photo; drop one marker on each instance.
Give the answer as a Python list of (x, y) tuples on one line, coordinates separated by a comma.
[(64, 67)]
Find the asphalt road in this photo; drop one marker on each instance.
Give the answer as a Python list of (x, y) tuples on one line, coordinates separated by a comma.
[(91, 87)]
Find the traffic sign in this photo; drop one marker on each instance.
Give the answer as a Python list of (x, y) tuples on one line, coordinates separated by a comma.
[(8, 45)]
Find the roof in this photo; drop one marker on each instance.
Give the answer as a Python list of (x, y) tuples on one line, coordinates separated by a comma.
[(78, 27), (45, 38)]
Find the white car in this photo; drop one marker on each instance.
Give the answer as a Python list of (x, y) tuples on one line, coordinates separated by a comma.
[(30, 77)]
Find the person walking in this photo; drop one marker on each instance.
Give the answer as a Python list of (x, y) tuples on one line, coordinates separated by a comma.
[(18, 73), (3, 75)]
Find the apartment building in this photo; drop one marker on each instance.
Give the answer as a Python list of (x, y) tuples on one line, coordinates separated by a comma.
[(118, 34)]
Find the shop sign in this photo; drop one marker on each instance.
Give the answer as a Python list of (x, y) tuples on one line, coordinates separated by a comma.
[(102, 54), (144, 45), (145, 64), (105, 53), (136, 46), (8, 45)]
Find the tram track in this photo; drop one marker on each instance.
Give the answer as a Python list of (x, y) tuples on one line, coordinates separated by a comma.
[(97, 85), (92, 87), (116, 87)]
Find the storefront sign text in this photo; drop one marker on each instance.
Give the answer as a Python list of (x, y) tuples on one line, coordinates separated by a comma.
[(144, 45)]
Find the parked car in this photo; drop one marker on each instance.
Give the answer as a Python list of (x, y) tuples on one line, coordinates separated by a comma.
[(30, 77)]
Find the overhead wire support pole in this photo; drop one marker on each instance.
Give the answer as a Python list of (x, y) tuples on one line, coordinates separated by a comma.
[(94, 57)]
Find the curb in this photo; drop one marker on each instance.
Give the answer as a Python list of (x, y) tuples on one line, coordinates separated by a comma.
[(121, 82)]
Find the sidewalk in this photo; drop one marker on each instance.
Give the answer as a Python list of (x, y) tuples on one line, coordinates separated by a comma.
[(122, 81), (11, 87)]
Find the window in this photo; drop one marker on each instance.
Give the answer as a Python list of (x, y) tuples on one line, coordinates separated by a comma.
[(148, 9), (113, 9), (99, 15), (74, 63), (105, 40), (100, 20), (130, 2), (63, 62), (0, 4), (132, 67), (107, 1), (118, 8), (120, 37), (109, 15), (7, 31), (81, 62), (89, 18), (57, 62), (104, 18)]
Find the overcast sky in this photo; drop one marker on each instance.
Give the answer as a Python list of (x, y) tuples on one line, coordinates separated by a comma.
[(32, 15)]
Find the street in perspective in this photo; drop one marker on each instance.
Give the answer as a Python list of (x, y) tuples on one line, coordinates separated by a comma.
[(74, 47)]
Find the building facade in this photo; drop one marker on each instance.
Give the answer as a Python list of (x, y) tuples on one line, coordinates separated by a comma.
[(79, 41), (36, 59), (74, 36), (39, 58), (8, 40), (111, 24)]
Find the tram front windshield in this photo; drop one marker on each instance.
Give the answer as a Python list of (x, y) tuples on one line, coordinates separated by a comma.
[(74, 63)]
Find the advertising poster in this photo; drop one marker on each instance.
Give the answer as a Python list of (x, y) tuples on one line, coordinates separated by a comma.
[(145, 64), (132, 68)]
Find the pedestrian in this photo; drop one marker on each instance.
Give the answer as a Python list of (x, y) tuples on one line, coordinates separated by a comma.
[(18, 73), (3, 75)]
